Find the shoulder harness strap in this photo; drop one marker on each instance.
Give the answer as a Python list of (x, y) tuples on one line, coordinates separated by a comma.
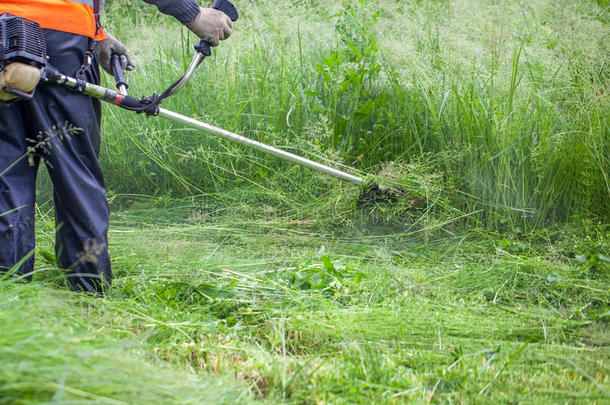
[(88, 59), (96, 13)]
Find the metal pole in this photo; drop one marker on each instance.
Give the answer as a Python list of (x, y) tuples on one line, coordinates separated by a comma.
[(113, 97), (219, 132)]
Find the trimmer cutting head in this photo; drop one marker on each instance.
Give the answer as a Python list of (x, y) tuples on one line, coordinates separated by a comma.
[(375, 194)]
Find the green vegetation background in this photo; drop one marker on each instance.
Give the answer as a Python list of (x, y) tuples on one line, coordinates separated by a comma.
[(505, 101)]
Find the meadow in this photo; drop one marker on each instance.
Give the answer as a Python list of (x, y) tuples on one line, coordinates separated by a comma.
[(240, 278)]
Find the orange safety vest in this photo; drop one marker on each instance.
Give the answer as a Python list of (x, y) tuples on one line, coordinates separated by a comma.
[(73, 16)]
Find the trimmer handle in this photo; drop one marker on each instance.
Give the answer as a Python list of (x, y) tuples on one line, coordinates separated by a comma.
[(203, 50), (118, 73), (230, 10)]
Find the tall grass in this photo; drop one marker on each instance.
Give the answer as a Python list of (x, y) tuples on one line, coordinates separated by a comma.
[(507, 101)]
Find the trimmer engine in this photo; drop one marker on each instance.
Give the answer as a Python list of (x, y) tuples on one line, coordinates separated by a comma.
[(23, 54)]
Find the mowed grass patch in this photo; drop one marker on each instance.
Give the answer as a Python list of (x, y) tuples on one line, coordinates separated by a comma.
[(290, 311), (64, 348)]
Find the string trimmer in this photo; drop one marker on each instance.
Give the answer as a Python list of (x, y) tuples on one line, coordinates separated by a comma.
[(23, 65)]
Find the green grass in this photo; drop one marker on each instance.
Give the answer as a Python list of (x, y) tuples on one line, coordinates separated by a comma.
[(60, 348), (239, 278), (223, 309)]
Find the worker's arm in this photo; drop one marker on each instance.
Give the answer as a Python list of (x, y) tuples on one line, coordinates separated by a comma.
[(208, 24), (184, 11)]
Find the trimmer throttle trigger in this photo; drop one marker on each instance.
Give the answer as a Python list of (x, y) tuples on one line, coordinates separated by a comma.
[(229, 9), (119, 74)]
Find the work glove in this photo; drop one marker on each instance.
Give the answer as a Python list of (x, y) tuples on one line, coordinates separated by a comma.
[(110, 46), (211, 25)]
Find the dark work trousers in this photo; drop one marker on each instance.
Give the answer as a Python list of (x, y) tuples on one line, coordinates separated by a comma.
[(61, 129)]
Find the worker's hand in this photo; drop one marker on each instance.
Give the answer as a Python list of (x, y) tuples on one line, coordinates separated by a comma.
[(110, 46), (211, 25)]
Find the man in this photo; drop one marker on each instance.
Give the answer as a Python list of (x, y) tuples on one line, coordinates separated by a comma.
[(62, 129)]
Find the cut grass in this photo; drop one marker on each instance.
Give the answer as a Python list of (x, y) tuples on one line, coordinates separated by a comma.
[(286, 311), (62, 348)]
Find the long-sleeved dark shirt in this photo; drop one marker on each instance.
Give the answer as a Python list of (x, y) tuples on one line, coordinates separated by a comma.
[(184, 11)]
